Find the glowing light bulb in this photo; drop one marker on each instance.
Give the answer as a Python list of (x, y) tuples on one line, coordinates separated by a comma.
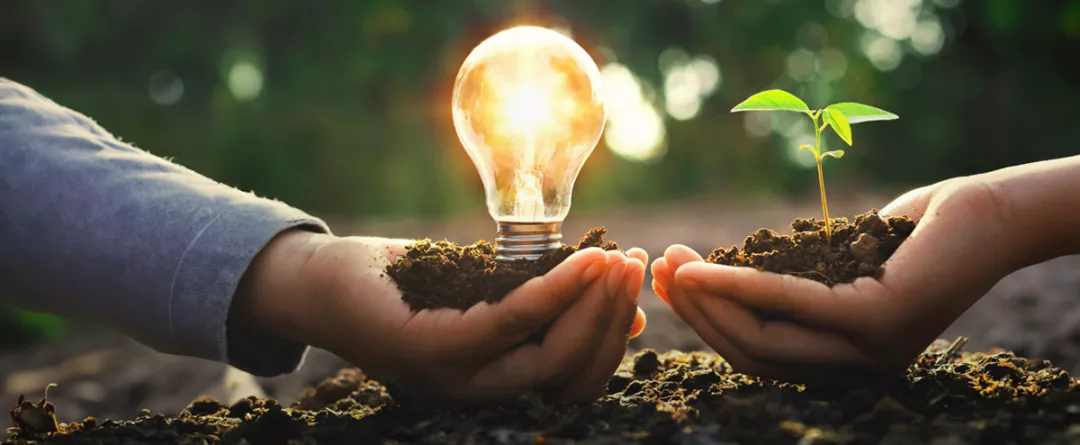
[(528, 109)]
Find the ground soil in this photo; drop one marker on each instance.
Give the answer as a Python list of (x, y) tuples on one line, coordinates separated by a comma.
[(433, 275), (946, 396), (858, 249)]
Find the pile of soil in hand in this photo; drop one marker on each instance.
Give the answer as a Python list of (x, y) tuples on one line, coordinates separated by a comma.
[(684, 398), (858, 249), (442, 274)]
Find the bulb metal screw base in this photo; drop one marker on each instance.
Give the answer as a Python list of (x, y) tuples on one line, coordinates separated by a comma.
[(515, 241)]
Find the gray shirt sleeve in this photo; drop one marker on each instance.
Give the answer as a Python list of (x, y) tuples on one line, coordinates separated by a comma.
[(95, 229)]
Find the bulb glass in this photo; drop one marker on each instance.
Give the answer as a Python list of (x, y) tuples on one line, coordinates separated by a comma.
[(527, 108)]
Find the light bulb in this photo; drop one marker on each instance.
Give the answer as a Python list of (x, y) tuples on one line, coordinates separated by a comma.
[(528, 109)]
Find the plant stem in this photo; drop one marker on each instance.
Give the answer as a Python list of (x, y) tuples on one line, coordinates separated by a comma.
[(821, 182)]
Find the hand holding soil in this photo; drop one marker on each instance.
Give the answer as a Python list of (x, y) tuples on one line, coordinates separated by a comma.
[(971, 232), (333, 293)]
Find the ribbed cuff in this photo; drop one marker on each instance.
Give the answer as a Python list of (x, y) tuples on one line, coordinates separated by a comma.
[(208, 276)]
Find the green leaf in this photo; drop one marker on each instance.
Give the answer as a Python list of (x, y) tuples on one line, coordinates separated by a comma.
[(772, 100), (839, 123), (835, 153), (858, 113)]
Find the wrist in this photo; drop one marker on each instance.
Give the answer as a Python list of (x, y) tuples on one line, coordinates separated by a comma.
[(1043, 207), (275, 292)]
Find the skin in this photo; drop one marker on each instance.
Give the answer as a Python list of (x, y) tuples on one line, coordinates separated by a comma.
[(331, 292), (972, 232)]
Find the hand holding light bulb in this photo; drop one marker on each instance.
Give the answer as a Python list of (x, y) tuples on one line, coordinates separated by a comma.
[(331, 292), (528, 111)]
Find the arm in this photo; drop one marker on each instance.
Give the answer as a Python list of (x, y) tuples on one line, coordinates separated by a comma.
[(96, 229)]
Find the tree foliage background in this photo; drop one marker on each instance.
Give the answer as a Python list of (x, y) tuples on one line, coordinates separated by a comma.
[(342, 107)]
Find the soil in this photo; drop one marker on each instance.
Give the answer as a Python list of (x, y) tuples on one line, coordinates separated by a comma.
[(858, 249), (433, 275), (946, 396)]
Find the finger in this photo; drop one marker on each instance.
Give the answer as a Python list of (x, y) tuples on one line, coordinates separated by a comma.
[(690, 314), (487, 330), (912, 204), (662, 278), (568, 346), (592, 384), (738, 360), (774, 341), (639, 254), (838, 309), (640, 321), (519, 370), (678, 254), (617, 269)]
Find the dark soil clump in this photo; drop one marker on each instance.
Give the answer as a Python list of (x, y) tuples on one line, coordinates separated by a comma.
[(858, 249), (442, 274), (672, 398)]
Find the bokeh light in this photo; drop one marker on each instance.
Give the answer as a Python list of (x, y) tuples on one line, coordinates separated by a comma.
[(635, 130), (884, 53), (928, 37), (165, 88), (801, 64), (889, 23), (245, 80), (687, 83), (832, 64)]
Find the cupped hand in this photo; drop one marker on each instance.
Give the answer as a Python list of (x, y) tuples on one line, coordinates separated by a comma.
[(346, 304), (958, 251)]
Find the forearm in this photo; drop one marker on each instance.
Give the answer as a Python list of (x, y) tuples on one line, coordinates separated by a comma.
[(1042, 206), (95, 229)]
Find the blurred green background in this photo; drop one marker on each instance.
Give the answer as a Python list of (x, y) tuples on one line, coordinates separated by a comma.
[(341, 108)]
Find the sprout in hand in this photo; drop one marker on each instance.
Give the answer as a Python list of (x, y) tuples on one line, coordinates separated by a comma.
[(839, 116)]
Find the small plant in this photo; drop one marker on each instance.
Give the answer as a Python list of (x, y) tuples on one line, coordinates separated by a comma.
[(839, 116), (35, 419)]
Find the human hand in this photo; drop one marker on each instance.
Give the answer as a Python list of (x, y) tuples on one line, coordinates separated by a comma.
[(332, 293), (960, 248)]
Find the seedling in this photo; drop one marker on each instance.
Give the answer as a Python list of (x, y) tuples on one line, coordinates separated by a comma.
[(35, 419), (839, 117)]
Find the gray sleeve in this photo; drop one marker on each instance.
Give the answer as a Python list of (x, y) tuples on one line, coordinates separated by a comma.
[(95, 229)]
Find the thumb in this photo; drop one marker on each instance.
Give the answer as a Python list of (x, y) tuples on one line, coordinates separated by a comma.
[(911, 204), (500, 326)]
